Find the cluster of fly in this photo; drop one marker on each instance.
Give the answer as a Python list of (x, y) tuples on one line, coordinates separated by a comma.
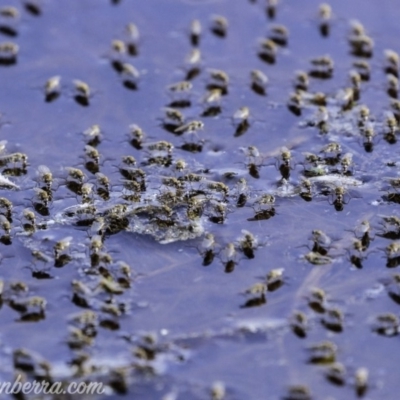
[(81, 91), (257, 292), (162, 200), (247, 244), (121, 50)]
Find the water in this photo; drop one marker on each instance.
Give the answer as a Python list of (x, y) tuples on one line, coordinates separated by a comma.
[(204, 332)]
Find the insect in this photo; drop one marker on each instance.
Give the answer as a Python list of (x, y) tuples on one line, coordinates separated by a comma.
[(160, 146), (333, 320), (7, 205), (9, 12), (265, 201), (322, 67), (241, 120), (103, 180), (317, 259), (393, 288), (130, 76), (263, 207), (318, 300), (298, 392), (325, 16), (321, 242), (257, 293), (109, 286), (133, 36), (31, 308), (323, 353), (76, 174), (30, 216), (368, 135), (279, 34), (86, 191), (42, 196), (218, 391), (218, 212), (355, 81), (52, 88), (361, 381), (363, 116), (118, 46), (305, 189), (392, 250), (219, 25), (258, 289), (5, 224), (40, 256), (391, 227), (271, 8), (267, 51), (81, 293), (392, 62), (92, 135), (248, 244), (301, 81), (274, 279), (387, 324), (229, 257), (174, 115), (45, 175), (361, 44), (333, 148), (180, 165), (284, 162), (92, 154), (195, 32), (390, 128), (241, 192), (254, 158), (8, 53), (180, 87), (363, 231), (336, 374), (258, 81), (29, 226), (96, 242), (212, 98), (14, 158), (219, 76), (363, 69), (82, 92), (207, 249), (392, 85), (191, 127), (299, 324), (338, 198), (346, 162), (61, 246), (193, 58), (219, 187), (295, 103), (137, 135), (218, 79)]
